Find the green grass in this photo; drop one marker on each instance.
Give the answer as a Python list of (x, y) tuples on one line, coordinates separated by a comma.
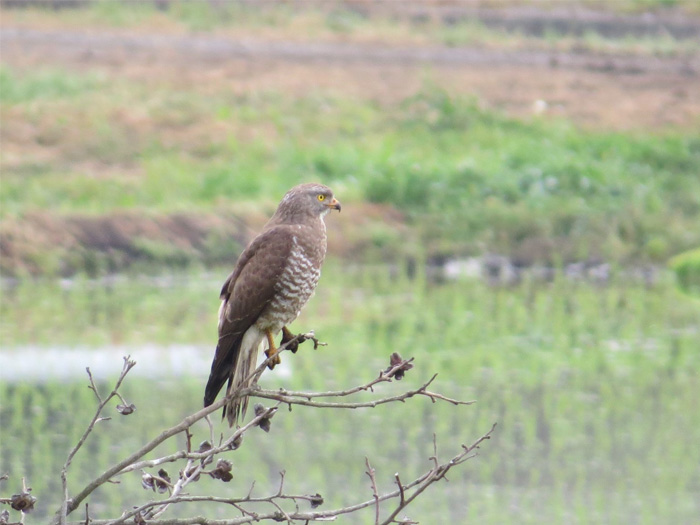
[(467, 178), (593, 388), (686, 266), (45, 85)]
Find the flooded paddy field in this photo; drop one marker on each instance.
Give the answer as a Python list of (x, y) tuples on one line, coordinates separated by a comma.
[(593, 389)]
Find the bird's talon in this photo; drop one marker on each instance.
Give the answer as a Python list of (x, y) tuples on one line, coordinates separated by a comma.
[(288, 336), (273, 359)]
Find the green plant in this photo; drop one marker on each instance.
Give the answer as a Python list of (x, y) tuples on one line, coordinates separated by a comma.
[(686, 266)]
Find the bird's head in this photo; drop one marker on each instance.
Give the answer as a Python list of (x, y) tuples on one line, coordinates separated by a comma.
[(305, 200)]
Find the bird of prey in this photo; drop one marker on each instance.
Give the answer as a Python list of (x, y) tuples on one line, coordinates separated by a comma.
[(273, 279)]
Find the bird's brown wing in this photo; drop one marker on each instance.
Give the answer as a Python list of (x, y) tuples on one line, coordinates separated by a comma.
[(245, 293)]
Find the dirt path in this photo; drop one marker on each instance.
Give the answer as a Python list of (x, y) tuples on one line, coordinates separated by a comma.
[(611, 91), (71, 45)]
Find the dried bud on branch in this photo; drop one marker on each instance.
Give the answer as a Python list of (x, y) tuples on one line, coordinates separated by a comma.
[(190, 472), (395, 360), (204, 446), (160, 483), (23, 501), (237, 442), (222, 471), (316, 500), (264, 422), (125, 410), (163, 483), (147, 481)]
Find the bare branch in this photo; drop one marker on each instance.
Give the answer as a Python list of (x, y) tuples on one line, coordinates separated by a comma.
[(70, 504), (384, 377), (418, 486), (307, 398), (279, 503), (370, 473), (191, 476), (437, 473), (286, 397), (401, 492), (66, 506), (92, 386)]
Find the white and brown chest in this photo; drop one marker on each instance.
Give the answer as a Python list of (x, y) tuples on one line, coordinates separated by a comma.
[(298, 279)]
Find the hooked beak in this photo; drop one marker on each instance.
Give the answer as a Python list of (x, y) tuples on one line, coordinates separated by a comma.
[(334, 204)]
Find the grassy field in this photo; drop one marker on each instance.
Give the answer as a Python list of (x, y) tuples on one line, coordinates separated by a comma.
[(90, 138), (467, 179), (593, 390)]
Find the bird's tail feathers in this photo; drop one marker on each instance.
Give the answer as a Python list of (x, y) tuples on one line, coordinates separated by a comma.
[(218, 376), (241, 378)]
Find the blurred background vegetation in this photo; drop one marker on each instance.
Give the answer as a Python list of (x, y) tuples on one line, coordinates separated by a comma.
[(521, 213)]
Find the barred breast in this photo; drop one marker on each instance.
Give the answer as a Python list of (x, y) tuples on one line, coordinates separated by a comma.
[(298, 280)]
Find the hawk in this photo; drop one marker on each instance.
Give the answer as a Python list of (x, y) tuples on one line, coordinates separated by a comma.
[(273, 279)]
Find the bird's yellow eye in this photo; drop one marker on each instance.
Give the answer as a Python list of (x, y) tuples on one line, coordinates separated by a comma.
[(321, 197)]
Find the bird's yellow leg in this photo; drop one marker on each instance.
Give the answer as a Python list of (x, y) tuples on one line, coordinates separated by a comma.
[(271, 351)]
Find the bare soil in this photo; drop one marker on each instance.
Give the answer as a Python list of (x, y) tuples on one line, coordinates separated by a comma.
[(65, 244), (594, 90)]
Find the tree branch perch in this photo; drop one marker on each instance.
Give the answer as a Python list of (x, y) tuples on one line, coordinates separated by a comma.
[(252, 508)]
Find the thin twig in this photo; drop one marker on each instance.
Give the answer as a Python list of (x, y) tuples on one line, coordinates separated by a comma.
[(305, 398), (68, 506), (383, 377), (290, 398), (188, 478), (196, 460), (402, 498), (438, 472), (418, 486), (375, 493), (92, 385)]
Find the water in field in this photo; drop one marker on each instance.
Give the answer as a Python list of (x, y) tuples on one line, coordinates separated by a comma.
[(594, 390)]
